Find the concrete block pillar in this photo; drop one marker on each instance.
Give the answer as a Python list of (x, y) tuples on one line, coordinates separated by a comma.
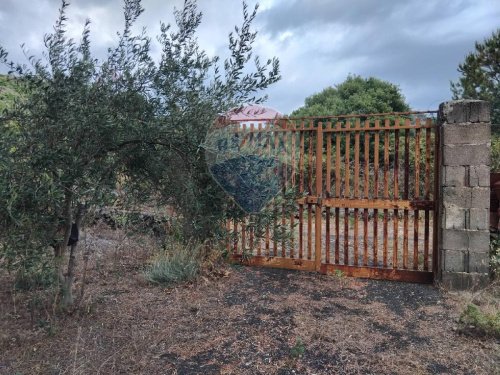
[(465, 142)]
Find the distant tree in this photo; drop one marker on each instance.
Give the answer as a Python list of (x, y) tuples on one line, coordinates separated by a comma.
[(480, 75), (354, 95)]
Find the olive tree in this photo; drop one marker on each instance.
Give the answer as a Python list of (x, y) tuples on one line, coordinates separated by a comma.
[(83, 124)]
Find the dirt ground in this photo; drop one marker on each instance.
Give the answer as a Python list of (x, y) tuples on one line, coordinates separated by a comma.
[(252, 321)]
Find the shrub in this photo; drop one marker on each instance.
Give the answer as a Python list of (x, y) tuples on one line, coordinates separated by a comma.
[(176, 263), (473, 319), (495, 151), (38, 278)]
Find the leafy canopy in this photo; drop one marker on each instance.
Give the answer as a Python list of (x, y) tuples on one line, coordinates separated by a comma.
[(354, 95), (480, 75)]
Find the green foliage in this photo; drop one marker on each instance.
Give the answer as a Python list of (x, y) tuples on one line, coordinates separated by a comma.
[(298, 349), (176, 263), (495, 255), (9, 92), (191, 90), (61, 155), (480, 75), (356, 95), (472, 318), (35, 273), (339, 274), (495, 152)]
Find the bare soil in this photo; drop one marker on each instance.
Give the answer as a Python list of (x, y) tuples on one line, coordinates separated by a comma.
[(252, 321)]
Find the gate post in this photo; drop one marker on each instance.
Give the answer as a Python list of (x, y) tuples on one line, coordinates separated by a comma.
[(464, 193)]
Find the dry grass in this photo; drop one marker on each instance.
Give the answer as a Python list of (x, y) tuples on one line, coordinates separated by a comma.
[(248, 322)]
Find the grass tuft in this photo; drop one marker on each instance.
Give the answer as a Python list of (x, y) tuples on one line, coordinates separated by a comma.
[(175, 264)]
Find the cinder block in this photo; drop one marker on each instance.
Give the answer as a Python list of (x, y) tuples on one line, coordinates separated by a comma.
[(453, 260), (479, 241), (478, 219), (479, 175), (479, 262), (462, 280), (455, 176), (454, 155), (461, 134), (457, 196), (460, 111), (454, 217), (455, 239), (480, 197)]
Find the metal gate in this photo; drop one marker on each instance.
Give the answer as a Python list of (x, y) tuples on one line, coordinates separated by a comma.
[(366, 196)]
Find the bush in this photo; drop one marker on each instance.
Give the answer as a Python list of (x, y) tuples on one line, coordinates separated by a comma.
[(42, 278), (176, 263), (495, 151), (495, 256), (473, 319)]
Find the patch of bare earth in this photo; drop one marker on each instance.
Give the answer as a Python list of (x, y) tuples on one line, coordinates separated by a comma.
[(246, 323)]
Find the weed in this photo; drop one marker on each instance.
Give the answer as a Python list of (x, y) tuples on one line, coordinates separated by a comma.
[(339, 274), (49, 327), (246, 255), (176, 263), (473, 319), (298, 349), (34, 280)]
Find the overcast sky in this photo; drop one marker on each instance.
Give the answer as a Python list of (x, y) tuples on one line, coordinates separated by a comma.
[(416, 44)]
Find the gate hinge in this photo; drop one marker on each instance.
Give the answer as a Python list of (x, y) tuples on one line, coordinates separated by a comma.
[(319, 201)]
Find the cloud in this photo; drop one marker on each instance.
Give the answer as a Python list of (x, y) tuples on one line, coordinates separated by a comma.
[(415, 44)]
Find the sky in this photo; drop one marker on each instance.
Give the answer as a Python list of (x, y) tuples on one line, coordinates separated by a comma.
[(415, 44)]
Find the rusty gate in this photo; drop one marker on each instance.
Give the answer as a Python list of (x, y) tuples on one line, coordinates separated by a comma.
[(366, 196)]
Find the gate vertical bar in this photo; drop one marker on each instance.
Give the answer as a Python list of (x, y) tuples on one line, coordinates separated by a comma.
[(406, 188), (427, 194), (301, 190), (396, 194), (356, 189), (417, 194), (376, 151), (386, 189), (328, 188), (275, 205), (284, 138), (310, 190), (338, 177), (347, 191), (319, 194), (366, 191)]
